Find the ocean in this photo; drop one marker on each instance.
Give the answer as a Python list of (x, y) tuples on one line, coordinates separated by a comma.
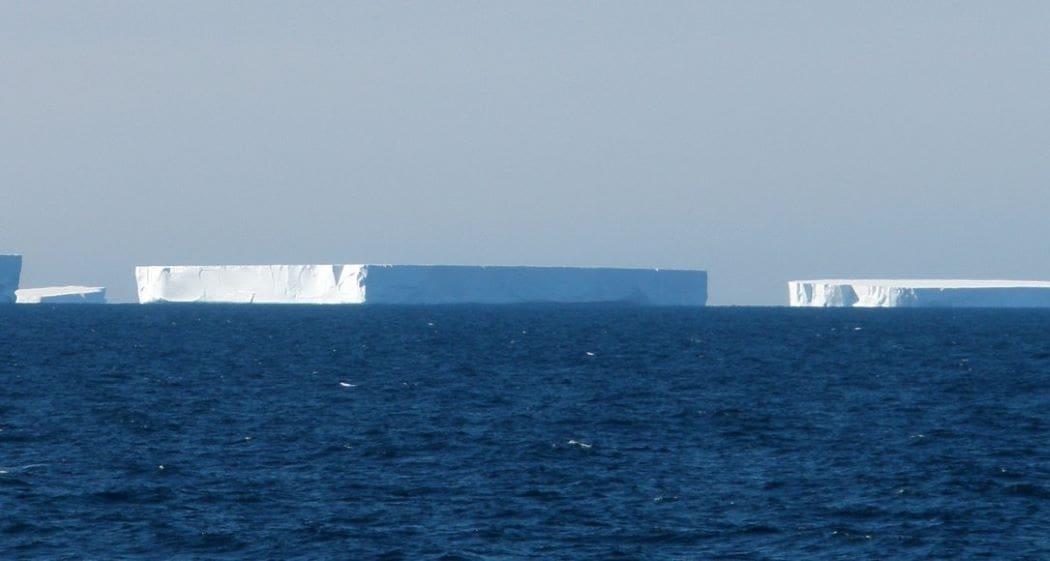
[(523, 432)]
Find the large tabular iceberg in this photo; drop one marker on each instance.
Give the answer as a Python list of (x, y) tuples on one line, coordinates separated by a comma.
[(870, 293), (417, 284), (10, 273), (62, 295)]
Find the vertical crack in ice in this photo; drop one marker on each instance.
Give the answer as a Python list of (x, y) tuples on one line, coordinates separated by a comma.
[(362, 282)]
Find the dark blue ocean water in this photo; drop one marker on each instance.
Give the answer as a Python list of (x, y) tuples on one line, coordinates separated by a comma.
[(541, 432)]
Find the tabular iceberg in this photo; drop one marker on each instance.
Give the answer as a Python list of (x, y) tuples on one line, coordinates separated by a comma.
[(10, 273), (417, 284), (913, 293), (62, 295)]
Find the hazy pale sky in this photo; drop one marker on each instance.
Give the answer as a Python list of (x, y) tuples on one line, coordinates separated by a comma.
[(759, 141)]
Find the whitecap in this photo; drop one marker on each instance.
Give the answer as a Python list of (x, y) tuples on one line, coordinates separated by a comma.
[(10, 469)]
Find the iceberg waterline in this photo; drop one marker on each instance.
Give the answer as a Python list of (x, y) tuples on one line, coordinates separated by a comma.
[(417, 284), (442, 284)]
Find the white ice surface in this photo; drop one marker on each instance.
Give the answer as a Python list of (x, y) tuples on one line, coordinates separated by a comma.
[(901, 293), (10, 272), (417, 284), (247, 284), (62, 295)]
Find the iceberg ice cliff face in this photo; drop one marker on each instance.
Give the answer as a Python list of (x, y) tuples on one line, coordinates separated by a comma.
[(418, 284), (247, 284), (446, 284), (62, 295), (10, 273), (914, 293)]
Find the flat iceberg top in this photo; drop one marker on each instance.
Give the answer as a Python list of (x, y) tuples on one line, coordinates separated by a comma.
[(933, 283), (407, 266), (417, 284), (61, 290), (62, 295)]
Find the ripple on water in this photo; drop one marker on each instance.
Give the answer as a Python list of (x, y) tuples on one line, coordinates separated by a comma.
[(600, 433)]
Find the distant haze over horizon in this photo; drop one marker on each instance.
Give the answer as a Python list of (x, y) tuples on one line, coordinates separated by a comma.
[(761, 142)]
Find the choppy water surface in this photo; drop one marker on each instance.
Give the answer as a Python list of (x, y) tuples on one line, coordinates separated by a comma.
[(554, 432)]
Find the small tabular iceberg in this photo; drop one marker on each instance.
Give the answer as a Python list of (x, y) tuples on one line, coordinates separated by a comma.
[(417, 284), (62, 295), (10, 273), (915, 293)]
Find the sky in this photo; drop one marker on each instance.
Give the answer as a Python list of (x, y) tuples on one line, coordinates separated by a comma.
[(760, 141)]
